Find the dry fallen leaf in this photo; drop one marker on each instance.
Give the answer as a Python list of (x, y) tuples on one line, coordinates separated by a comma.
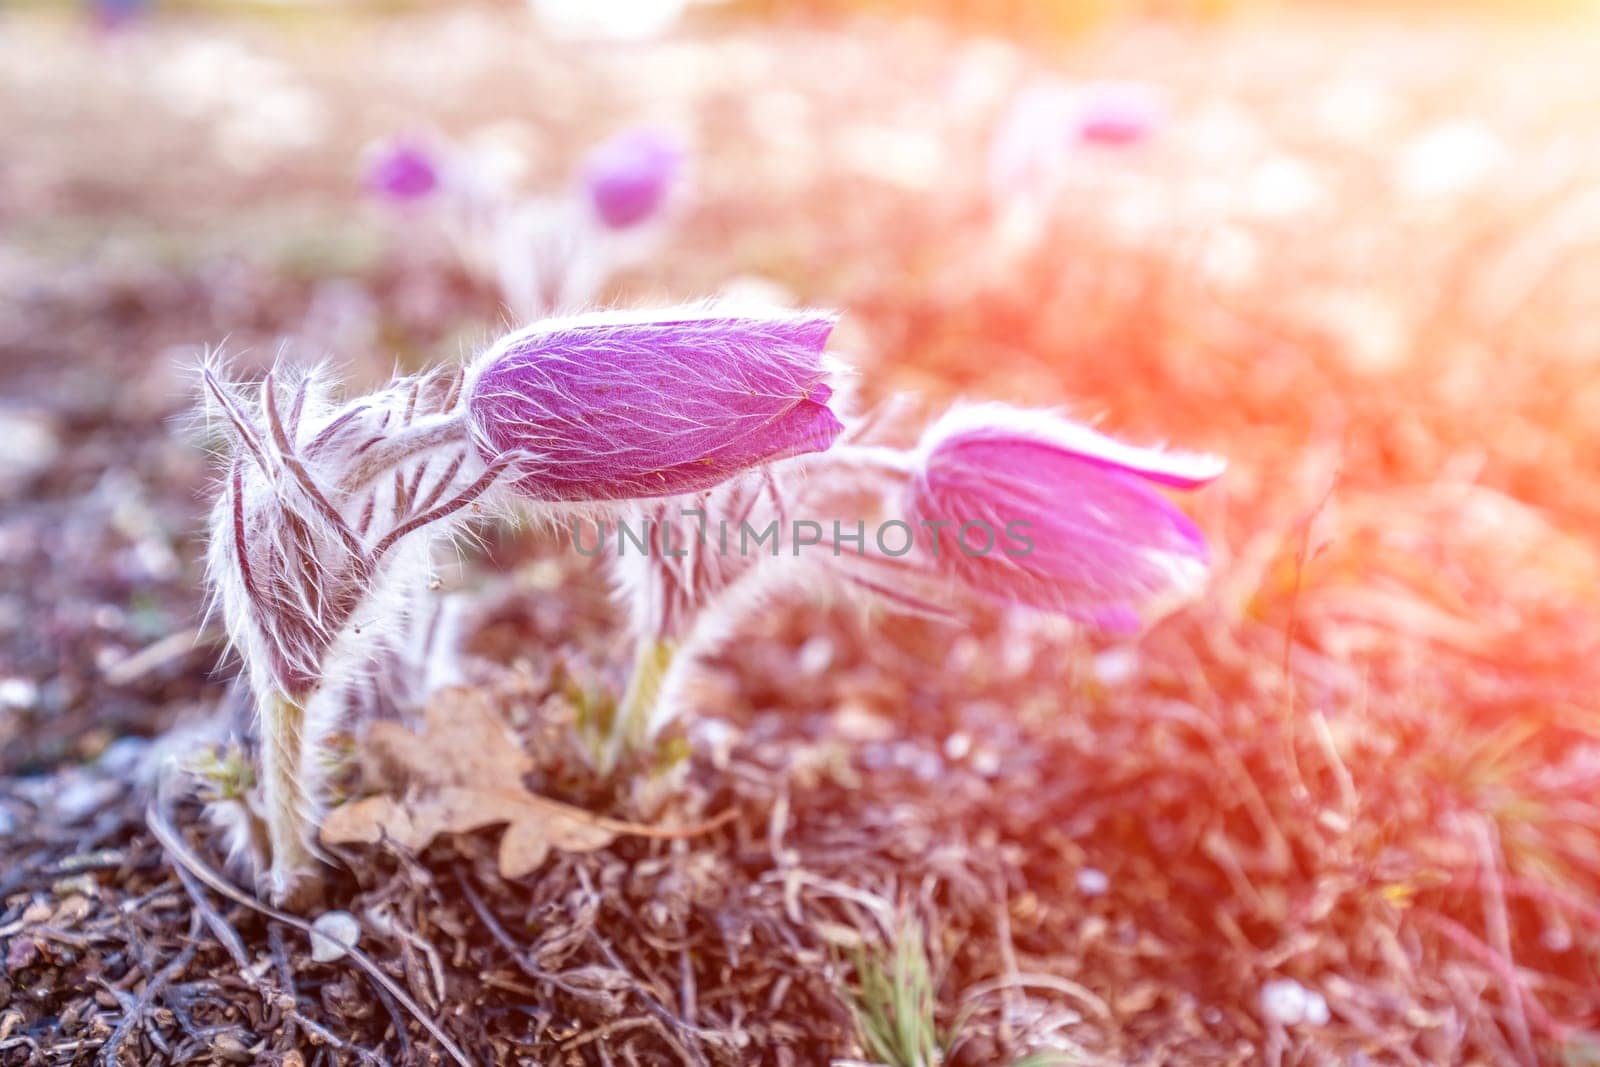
[(463, 773), (464, 741)]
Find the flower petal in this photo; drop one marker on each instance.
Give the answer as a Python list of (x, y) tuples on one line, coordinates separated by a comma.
[(1074, 530), (1023, 428), (607, 407)]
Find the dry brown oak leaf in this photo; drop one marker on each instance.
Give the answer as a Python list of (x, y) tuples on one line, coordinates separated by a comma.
[(464, 772)]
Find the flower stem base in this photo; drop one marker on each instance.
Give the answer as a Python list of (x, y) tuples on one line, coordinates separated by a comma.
[(630, 725)]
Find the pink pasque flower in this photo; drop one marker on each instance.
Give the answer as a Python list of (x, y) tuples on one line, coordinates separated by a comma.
[(627, 178), (402, 170), (1046, 123), (1029, 508), (611, 406), (1116, 114)]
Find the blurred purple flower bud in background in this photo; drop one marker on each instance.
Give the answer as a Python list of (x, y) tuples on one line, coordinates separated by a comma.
[(614, 407), (402, 170), (109, 15), (1048, 513), (627, 177), (1046, 122), (1119, 113)]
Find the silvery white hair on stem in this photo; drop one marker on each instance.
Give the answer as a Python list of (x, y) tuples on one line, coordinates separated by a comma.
[(321, 541), (686, 604)]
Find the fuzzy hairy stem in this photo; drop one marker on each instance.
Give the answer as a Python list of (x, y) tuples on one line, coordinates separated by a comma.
[(877, 457), (287, 794), (631, 724)]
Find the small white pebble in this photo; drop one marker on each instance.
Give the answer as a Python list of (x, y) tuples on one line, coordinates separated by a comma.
[(1115, 666), (1283, 1001), (1287, 1002), (81, 795), (1556, 938), (957, 745), (816, 656), (333, 934), (1093, 882), (18, 693)]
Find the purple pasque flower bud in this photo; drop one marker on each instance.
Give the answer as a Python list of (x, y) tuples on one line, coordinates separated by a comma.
[(1047, 122), (611, 406), (627, 178), (1116, 114), (1030, 508), (111, 15), (402, 170)]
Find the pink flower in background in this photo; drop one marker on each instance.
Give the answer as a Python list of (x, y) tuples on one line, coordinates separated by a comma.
[(1046, 122), (111, 15), (1032, 509), (402, 170), (1118, 113), (548, 254), (612, 407), (627, 178)]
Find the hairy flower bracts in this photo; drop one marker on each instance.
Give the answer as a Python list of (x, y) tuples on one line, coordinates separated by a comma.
[(683, 568), (320, 540), (714, 557), (671, 591)]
